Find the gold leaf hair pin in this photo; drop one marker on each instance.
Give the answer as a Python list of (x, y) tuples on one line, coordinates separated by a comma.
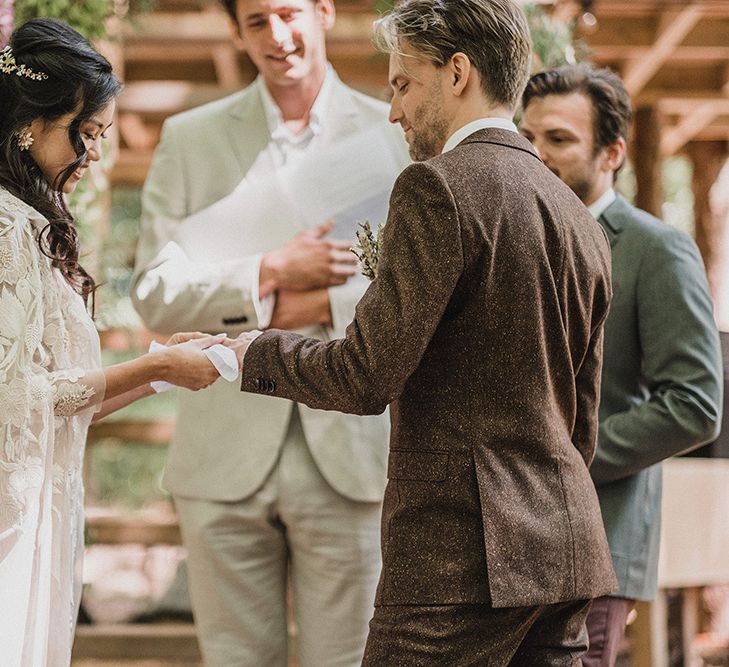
[(9, 66)]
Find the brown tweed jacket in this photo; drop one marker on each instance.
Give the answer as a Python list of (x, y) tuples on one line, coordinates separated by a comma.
[(483, 330)]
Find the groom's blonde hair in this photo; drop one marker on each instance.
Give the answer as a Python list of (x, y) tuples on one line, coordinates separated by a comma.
[(494, 34)]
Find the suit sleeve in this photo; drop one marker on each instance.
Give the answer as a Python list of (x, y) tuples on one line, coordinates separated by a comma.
[(587, 387), (681, 366), (421, 262), (170, 290)]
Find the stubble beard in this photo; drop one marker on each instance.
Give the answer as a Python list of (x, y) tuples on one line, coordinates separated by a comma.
[(581, 183), (431, 133)]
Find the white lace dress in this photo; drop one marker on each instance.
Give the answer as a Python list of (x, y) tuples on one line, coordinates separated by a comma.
[(51, 383)]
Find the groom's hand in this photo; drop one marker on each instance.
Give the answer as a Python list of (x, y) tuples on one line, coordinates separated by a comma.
[(184, 336), (240, 345)]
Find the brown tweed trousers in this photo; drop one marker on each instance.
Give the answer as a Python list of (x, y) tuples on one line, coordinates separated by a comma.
[(483, 332)]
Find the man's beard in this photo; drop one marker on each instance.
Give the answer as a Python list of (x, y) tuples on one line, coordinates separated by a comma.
[(581, 183), (432, 130)]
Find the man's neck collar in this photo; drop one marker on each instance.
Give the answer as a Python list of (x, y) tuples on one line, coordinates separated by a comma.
[(296, 101), (602, 203)]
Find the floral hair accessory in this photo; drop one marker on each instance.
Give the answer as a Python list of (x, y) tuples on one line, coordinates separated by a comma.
[(9, 66)]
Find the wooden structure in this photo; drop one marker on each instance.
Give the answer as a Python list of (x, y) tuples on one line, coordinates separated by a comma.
[(674, 58), (672, 54)]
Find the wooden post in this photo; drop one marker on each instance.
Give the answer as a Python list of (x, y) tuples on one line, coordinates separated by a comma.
[(647, 160), (649, 633), (708, 158)]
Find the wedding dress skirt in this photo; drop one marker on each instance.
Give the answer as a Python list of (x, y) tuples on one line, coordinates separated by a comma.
[(51, 383)]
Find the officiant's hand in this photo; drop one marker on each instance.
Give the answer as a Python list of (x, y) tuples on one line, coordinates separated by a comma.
[(308, 261), (294, 310), (185, 365)]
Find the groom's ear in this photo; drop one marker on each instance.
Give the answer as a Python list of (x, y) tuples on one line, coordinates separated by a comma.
[(460, 72)]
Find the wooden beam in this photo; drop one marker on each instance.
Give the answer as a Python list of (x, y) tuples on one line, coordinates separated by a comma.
[(610, 52), (674, 27), (171, 642), (647, 160), (150, 432), (670, 103), (693, 123), (121, 530), (708, 158)]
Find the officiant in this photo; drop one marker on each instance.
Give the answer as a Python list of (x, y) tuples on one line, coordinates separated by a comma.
[(269, 491)]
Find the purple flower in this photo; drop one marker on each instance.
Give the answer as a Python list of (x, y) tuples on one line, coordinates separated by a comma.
[(7, 18)]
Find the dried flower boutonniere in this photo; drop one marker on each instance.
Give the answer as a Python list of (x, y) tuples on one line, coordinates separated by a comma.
[(368, 249)]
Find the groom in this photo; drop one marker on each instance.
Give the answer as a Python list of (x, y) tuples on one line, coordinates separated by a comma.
[(483, 331)]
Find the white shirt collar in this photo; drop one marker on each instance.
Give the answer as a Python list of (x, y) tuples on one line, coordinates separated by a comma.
[(598, 207), (474, 126), (274, 117)]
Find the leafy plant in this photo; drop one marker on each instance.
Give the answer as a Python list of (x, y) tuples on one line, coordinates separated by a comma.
[(89, 17)]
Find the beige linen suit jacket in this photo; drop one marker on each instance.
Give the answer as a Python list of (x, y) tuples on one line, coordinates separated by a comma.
[(223, 449), (483, 331)]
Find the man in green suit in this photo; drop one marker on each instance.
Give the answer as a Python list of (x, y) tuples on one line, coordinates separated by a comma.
[(661, 384)]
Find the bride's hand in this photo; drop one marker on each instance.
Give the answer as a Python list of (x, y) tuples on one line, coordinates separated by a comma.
[(187, 366), (184, 336)]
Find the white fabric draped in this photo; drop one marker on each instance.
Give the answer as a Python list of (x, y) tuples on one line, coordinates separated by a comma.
[(51, 383)]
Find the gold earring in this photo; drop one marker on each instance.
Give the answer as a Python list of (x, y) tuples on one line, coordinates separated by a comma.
[(25, 139)]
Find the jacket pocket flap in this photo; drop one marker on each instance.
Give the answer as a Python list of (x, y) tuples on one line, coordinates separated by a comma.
[(417, 465)]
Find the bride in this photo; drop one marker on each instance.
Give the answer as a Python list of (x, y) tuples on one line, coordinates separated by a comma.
[(56, 102)]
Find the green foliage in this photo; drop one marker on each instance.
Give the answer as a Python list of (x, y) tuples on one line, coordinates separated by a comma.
[(553, 41), (115, 258), (87, 16)]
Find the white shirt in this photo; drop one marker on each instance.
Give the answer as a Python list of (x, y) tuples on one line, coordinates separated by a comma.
[(285, 144), (474, 126), (284, 147), (598, 207)]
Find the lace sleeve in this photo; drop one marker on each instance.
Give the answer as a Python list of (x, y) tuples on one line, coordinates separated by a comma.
[(39, 332)]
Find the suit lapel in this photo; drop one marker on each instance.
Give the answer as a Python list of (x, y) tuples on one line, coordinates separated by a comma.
[(248, 132), (340, 118), (613, 219)]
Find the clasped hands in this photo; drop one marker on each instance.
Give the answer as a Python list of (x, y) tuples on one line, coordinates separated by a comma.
[(300, 274), (185, 364)]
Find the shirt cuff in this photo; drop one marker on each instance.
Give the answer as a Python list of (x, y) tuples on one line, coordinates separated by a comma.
[(264, 307)]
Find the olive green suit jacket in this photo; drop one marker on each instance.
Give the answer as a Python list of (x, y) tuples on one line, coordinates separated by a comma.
[(661, 383)]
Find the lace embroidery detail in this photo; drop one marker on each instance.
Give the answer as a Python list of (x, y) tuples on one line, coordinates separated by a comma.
[(49, 358), (70, 398)]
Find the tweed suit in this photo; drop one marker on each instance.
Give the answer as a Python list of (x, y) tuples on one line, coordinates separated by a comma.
[(483, 331)]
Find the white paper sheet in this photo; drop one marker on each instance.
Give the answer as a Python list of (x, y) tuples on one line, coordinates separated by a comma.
[(349, 182)]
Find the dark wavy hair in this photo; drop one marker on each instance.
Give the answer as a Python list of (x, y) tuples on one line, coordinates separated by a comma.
[(79, 81), (611, 106)]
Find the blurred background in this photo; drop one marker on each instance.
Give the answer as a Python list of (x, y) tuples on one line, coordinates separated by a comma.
[(177, 54)]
